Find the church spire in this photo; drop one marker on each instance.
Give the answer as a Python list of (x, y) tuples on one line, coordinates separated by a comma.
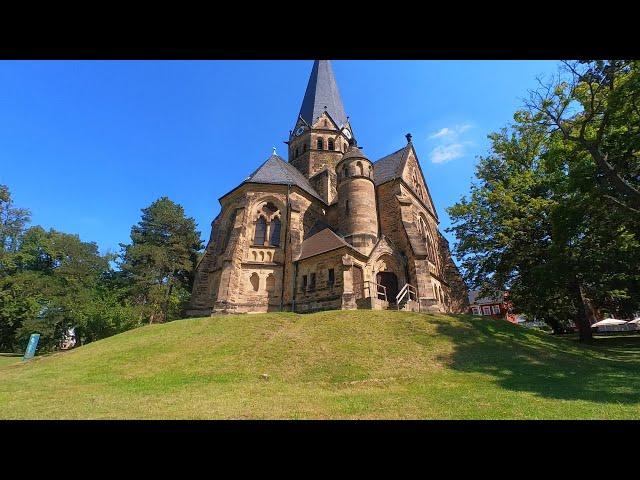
[(322, 94)]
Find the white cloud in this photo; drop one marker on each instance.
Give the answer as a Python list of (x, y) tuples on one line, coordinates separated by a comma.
[(451, 132), (446, 153), (444, 132), (449, 145)]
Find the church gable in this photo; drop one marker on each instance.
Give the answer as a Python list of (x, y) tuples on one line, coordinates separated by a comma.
[(413, 176), (325, 122)]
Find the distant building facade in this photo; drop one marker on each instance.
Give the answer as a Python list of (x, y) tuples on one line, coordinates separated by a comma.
[(328, 228), (497, 307)]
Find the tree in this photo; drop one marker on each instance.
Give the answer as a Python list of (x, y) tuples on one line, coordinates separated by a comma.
[(534, 224), (595, 106), (161, 259), (65, 274), (12, 224)]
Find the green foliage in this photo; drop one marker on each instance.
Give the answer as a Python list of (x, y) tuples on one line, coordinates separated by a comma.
[(51, 281), (161, 259), (544, 220)]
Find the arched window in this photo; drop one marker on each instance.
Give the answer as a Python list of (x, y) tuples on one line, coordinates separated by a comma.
[(330, 144), (325, 123), (359, 170), (261, 231), (255, 281), (346, 207), (320, 144), (271, 283), (275, 232)]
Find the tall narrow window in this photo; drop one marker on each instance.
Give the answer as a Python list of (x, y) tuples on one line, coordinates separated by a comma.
[(330, 144), (359, 168), (304, 282), (346, 207), (332, 277), (274, 241), (304, 147), (255, 282), (271, 283), (312, 281), (296, 152), (320, 144), (261, 231)]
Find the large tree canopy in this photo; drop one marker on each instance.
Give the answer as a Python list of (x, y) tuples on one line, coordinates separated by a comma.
[(548, 218), (161, 259)]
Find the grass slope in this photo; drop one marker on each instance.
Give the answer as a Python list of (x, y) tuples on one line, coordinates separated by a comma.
[(356, 364)]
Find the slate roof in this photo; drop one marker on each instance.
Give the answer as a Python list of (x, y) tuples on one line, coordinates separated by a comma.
[(322, 90), (353, 152), (278, 172), (389, 167), (321, 242)]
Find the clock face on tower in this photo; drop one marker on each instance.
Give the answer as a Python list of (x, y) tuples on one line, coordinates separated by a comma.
[(347, 133), (299, 131)]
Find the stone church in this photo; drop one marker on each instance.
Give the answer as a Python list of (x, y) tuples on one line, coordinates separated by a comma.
[(328, 228)]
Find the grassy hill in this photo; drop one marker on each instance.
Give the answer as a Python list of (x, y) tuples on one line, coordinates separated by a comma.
[(357, 364)]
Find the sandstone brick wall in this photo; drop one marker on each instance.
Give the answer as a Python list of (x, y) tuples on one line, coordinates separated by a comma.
[(323, 296)]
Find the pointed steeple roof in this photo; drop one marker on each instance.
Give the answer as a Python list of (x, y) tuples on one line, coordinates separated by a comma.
[(322, 91)]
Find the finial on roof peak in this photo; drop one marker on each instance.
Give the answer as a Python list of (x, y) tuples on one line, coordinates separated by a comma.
[(274, 150), (409, 136)]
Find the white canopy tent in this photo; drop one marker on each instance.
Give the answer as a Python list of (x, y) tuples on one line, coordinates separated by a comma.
[(608, 322)]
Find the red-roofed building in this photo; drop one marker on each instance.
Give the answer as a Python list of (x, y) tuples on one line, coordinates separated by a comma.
[(497, 306)]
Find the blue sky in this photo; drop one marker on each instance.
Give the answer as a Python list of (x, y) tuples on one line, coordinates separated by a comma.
[(86, 144)]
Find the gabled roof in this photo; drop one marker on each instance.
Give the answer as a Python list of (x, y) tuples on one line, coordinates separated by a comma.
[(322, 91), (390, 167), (275, 170), (322, 242)]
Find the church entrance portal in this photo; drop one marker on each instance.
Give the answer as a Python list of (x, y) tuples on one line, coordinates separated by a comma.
[(390, 282)]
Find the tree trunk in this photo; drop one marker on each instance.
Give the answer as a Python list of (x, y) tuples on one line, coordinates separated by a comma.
[(585, 315)]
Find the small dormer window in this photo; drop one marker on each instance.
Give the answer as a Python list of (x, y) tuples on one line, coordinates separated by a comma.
[(330, 144), (320, 144)]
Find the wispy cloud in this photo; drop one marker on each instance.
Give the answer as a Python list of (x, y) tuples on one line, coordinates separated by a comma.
[(450, 146), (443, 132), (446, 153)]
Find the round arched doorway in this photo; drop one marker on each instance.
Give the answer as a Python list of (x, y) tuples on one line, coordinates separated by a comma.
[(389, 280)]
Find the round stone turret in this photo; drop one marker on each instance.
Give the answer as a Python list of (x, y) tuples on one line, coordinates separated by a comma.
[(357, 209)]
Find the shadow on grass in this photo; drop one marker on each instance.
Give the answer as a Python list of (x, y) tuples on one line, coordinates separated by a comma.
[(527, 361)]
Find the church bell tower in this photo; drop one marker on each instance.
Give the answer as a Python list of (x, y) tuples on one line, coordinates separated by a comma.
[(321, 133)]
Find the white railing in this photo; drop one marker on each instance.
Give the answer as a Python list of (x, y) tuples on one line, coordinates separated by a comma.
[(381, 290), (407, 291)]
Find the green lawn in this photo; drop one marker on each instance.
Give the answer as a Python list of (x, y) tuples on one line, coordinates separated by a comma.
[(9, 359), (355, 364)]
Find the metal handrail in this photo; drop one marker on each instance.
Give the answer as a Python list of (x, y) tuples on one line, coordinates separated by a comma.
[(404, 291), (368, 284)]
